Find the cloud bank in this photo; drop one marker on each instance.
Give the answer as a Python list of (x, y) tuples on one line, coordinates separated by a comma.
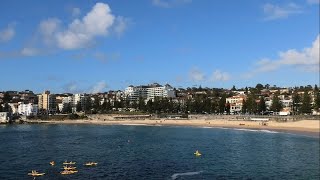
[(273, 11), (306, 60)]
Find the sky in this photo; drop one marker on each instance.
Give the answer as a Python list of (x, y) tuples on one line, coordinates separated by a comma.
[(96, 46)]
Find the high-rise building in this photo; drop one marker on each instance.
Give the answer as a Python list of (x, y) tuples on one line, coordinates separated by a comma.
[(47, 102)]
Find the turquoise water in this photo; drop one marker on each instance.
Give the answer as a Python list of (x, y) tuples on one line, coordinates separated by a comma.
[(151, 152)]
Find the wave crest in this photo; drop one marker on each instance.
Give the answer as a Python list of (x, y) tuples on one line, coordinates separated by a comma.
[(176, 175)]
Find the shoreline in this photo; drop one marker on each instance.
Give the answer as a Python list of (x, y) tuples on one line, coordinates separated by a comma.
[(303, 127)]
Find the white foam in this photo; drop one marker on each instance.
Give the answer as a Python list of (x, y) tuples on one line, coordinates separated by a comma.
[(206, 127), (135, 124), (256, 130), (175, 176)]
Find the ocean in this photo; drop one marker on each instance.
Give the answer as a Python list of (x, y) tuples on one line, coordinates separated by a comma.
[(153, 152)]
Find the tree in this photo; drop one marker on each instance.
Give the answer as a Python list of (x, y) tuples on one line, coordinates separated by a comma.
[(259, 86), (57, 109), (149, 106), (207, 105), (267, 86), (306, 103), (276, 105), (262, 105), (156, 105), (78, 107), (134, 104), (244, 107), (67, 108), (6, 107), (6, 97), (316, 98), (233, 88), (222, 104), (296, 100), (96, 103), (251, 104), (87, 104), (228, 107), (188, 107), (141, 104), (106, 106)]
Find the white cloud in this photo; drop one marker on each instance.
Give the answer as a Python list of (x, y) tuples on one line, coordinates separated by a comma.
[(313, 1), (76, 12), (273, 11), (80, 33), (220, 76), (169, 3), (71, 87), (99, 87), (120, 25), (306, 59), (29, 52), (7, 34), (196, 75), (48, 28)]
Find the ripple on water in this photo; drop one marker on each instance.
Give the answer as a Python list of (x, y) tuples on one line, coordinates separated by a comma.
[(150, 152)]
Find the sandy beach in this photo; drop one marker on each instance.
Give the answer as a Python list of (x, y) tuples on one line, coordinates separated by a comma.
[(309, 127)]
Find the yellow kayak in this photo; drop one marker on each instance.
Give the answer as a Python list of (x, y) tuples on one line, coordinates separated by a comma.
[(69, 168), (90, 164), (65, 172), (69, 163), (197, 153), (35, 173)]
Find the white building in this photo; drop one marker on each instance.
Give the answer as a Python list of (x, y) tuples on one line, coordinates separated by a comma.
[(287, 103), (13, 107), (4, 117), (67, 100), (28, 109), (78, 98), (149, 92), (236, 103)]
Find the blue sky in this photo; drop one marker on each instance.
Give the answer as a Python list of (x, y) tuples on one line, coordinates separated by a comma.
[(95, 46)]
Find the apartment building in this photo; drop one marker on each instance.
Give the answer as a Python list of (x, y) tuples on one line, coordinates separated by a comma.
[(236, 103), (149, 92), (29, 109), (47, 102)]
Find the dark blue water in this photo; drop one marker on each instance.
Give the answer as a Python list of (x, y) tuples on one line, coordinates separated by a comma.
[(142, 152)]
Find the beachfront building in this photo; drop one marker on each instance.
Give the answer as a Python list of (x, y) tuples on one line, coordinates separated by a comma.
[(29, 109), (4, 117), (47, 102), (133, 93), (236, 103), (79, 99), (148, 92), (13, 107)]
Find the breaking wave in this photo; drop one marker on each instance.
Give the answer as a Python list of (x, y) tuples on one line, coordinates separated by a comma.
[(176, 175), (256, 130)]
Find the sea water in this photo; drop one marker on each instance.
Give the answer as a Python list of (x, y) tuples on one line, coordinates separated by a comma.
[(151, 152)]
